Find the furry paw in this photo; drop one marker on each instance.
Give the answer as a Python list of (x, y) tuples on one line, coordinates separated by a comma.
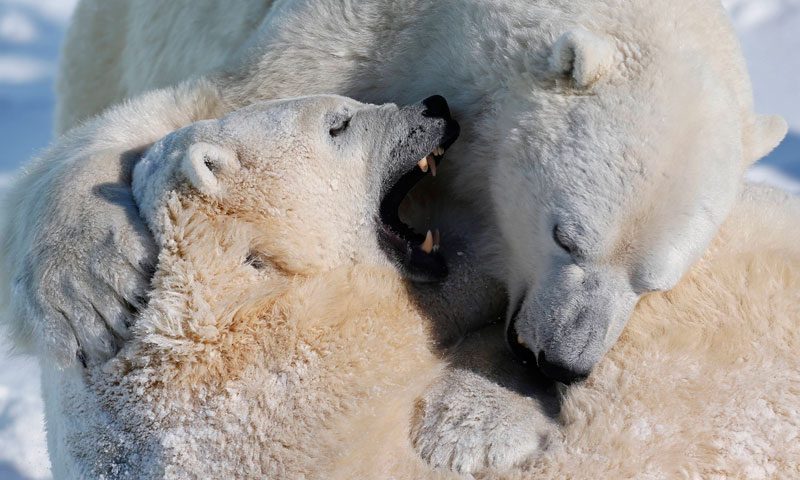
[(77, 256), (468, 424)]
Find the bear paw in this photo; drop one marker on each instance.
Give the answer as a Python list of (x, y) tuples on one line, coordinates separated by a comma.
[(468, 424), (79, 259)]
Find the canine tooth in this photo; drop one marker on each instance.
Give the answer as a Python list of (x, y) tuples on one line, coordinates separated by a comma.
[(437, 237), (519, 339), (432, 163), (427, 245), (423, 164)]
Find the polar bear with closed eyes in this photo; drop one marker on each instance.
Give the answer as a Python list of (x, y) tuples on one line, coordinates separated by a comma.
[(580, 119), (604, 145), (280, 339)]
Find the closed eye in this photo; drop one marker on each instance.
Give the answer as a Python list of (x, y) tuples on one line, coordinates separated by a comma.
[(561, 241), (339, 128)]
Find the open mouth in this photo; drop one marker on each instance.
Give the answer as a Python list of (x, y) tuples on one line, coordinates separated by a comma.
[(416, 253)]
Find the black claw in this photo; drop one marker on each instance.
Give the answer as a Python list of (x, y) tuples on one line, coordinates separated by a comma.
[(148, 268), (81, 357), (141, 301)]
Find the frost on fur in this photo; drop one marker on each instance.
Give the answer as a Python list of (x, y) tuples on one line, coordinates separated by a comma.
[(676, 122), (583, 116)]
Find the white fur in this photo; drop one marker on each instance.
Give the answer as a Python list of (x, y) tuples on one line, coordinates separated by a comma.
[(585, 114), (65, 299), (641, 164), (292, 369), (583, 55), (320, 367)]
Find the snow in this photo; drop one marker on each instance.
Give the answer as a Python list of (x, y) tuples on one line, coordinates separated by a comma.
[(30, 34), (55, 11), (5, 179), (23, 451)]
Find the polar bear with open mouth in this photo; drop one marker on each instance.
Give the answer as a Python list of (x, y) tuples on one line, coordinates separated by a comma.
[(581, 120), (279, 338)]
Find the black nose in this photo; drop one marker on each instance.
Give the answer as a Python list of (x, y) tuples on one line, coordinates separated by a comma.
[(436, 107), (558, 372)]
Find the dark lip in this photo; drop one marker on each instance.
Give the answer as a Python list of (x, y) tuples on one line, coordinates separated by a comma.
[(400, 242)]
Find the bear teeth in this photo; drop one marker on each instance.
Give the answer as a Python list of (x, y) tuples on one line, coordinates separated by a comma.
[(431, 243), (429, 162), (423, 164), (438, 151), (427, 245)]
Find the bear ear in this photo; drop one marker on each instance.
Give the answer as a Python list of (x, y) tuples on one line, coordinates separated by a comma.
[(767, 133), (582, 55), (204, 162)]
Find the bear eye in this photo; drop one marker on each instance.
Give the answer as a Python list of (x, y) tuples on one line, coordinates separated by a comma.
[(339, 128), (255, 260), (558, 237)]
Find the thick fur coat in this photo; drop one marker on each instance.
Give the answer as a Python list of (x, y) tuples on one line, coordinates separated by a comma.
[(233, 371), (263, 350), (579, 119), (705, 380), (554, 98)]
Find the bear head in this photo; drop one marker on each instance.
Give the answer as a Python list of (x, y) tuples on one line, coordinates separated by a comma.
[(613, 175), (312, 183)]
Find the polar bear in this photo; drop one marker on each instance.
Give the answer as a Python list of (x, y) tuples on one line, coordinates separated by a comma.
[(279, 340), (581, 119), (703, 383)]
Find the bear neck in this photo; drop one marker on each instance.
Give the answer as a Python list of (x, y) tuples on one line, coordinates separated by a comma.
[(207, 299)]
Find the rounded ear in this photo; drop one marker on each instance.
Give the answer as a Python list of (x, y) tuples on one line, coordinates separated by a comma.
[(767, 133), (582, 55), (202, 164)]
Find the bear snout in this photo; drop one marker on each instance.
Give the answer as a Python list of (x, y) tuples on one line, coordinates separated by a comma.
[(436, 107)]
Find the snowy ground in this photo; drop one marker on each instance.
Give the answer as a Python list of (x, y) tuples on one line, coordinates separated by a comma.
[(30, 32)]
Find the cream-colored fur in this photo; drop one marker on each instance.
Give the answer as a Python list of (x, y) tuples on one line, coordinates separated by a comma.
[(703, 383), (526, 79), (325, 369), (278, 340), (580, 118), (705, 380), (238, 370)]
